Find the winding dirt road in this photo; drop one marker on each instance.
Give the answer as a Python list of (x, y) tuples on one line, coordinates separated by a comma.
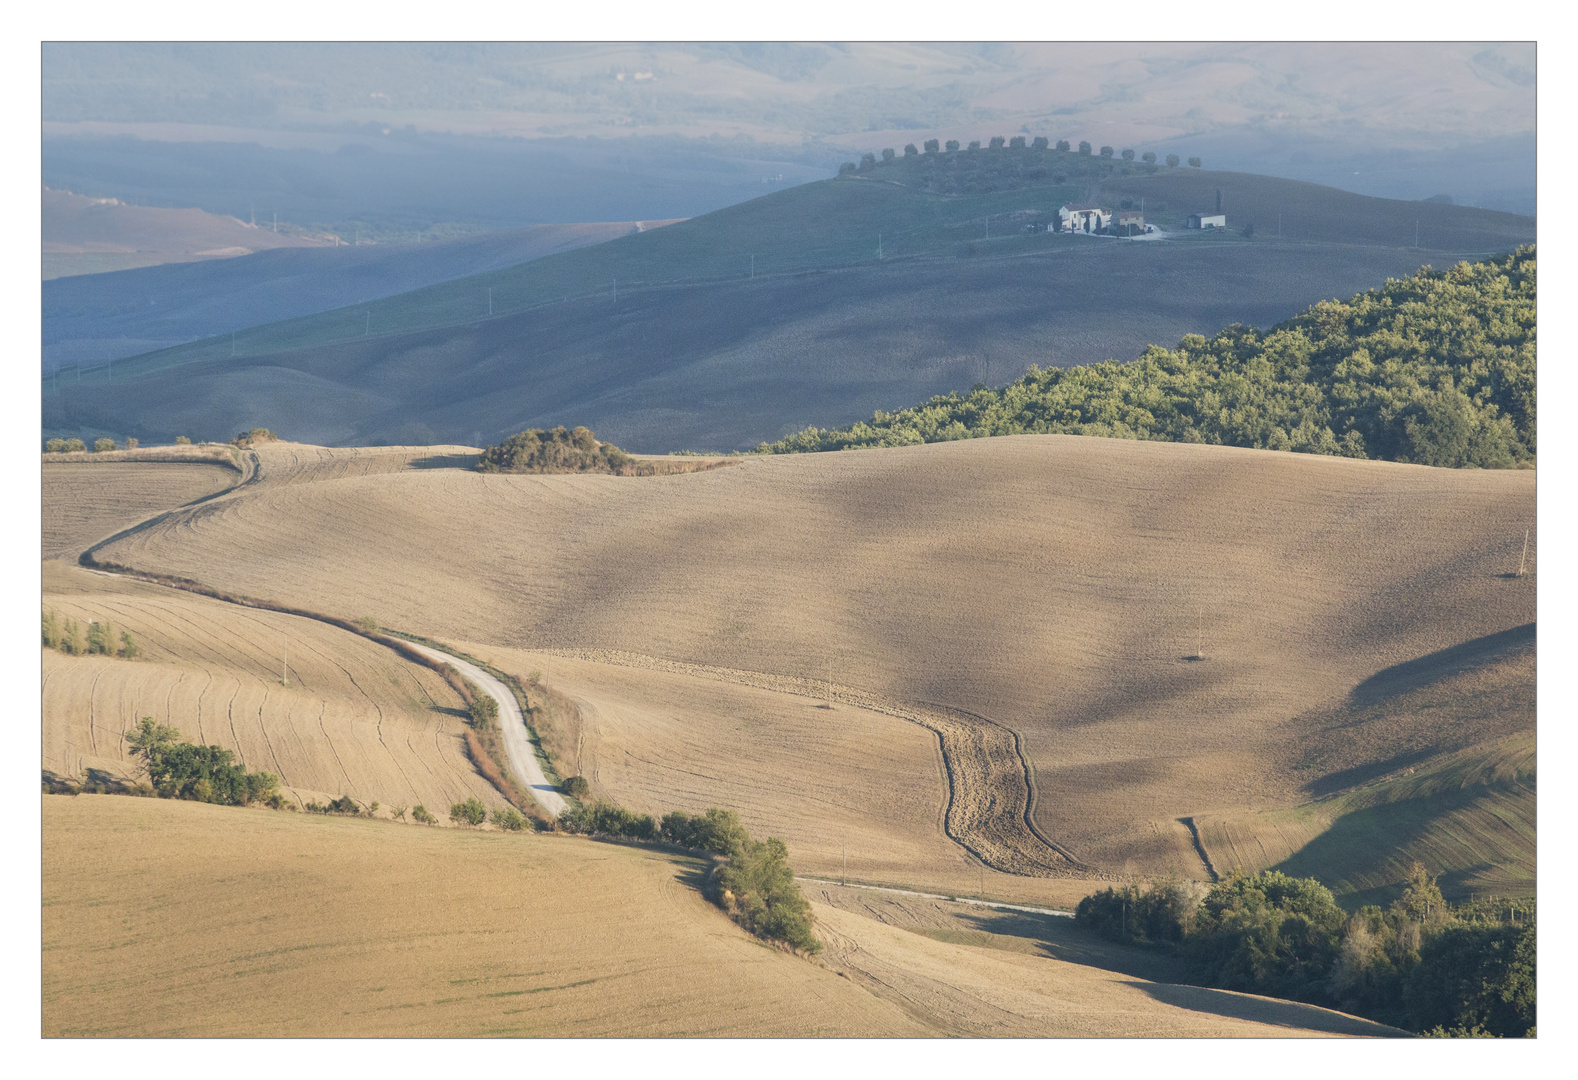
[(517, 740)]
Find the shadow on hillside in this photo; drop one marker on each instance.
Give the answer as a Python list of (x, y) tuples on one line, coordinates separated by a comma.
[(445, 461), (1400, 678), (1288, 1014), (1061, 939)]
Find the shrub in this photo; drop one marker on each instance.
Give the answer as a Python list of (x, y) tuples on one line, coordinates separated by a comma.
[(101, 446), (846, 168), (71, 639), (930, 146), (54, 446), (576, 787), (910, 151), (1149, 157), (101, 639), (179, 770), (131, 444), (1172, 161), (888, 155), (868, 161), (996, 142), (758, 888), (1039, 143), (1474, 978), (1164, 913), (129, 647), (470, 812), (1062, 144), (398, 813), (1084, 148), (557, 451), (1128, 155), (975, 144), (254, 437), (1106, 151), (368, 624), (1267, 933), (1016, 143), (484, 710), (509, 818), (952, 144), (422, 815), (182, 440), (1194, 163), (51, 629)]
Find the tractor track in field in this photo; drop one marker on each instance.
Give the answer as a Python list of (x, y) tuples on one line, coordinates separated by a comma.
[(991, 788)]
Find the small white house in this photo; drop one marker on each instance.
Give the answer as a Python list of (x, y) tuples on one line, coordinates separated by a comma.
[(1083, 217), (1208, 221)]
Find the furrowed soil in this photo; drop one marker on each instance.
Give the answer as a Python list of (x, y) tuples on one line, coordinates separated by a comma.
[(169, 919), (1054, 587), (85, 502), (355, 719)]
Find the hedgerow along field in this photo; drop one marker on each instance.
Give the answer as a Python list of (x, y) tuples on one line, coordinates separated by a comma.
[(1053, 584)]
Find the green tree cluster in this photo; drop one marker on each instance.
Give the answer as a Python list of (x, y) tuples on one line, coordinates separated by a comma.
[(471, 812), (66, 636), (180, 770), (1437, 368), (555, 451), (755, 884), (1419, 964)]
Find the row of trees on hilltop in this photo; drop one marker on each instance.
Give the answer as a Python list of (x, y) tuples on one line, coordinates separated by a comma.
[(997, 142), (1437, 368), (1419, 964)]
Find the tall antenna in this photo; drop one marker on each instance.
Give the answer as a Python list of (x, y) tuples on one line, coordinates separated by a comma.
[(1524, 557)]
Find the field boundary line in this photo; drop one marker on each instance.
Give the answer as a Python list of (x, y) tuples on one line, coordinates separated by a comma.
[(939, 896)]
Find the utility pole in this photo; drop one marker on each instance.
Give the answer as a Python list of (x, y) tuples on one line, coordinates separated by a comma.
[(753, 267), (616, 290), (490, 301), (1416, 234), (1524, 557), (369, 329), (276, 223), (879, 247)]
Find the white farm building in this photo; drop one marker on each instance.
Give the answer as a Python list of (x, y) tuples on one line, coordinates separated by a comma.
[(1083, 217), (1208, 221)]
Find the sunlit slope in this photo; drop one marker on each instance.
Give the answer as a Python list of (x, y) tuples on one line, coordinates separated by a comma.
[(256, 923), (1051, 583), (84, 503), (355, 719)]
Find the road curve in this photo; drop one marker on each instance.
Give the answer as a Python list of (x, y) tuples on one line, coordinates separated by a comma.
[(517, 740)]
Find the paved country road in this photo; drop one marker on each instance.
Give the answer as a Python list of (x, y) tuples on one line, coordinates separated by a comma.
[(517, 740)]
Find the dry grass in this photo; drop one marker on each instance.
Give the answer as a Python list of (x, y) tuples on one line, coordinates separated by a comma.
[(255, 923), (356, 718), (180, 919), (90, 499), (1049, 583)]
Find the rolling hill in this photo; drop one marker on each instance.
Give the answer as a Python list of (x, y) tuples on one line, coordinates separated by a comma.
[(754, 321), (92, 236), (1056, 586), (296, 925), (93, 318)]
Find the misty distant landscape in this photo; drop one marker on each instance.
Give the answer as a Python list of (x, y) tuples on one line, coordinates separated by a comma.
[(788, 540)]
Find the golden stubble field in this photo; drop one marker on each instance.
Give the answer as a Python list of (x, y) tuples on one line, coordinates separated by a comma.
[(86, 501), (1052, 584), (169, 919)]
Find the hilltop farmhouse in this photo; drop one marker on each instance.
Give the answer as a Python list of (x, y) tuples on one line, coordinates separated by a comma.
[(1083, 217)]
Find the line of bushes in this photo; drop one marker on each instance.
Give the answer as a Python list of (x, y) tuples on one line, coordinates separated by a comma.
[(750, 879), (1437, 368), (66, 636), (1420, 964), (576, 450)]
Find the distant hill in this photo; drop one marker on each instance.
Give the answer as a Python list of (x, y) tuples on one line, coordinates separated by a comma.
[(754, 321), (90, 319), (91, 236)]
